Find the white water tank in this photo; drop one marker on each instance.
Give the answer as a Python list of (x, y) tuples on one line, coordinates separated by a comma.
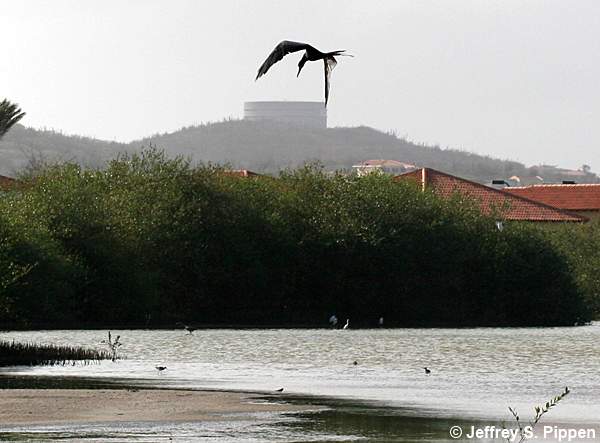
[(312, 114)]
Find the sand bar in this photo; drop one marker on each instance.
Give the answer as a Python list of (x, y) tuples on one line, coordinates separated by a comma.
[(54, 406)]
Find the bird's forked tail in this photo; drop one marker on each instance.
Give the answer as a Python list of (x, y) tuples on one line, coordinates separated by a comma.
[(340, 52)]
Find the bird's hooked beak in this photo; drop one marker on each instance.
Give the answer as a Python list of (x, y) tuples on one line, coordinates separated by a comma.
[(301, 63)]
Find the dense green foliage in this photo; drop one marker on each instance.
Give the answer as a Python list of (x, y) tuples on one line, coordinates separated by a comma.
[(580, 243), (268, 146), (150, 240)]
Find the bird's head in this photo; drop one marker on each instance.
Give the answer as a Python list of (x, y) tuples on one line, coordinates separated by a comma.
[(301, 63)]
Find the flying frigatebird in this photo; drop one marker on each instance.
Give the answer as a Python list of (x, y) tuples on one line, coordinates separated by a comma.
[(310, 54)]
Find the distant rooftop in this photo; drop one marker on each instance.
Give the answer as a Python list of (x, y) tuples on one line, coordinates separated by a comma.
[(391, 163), (394, 167), (7, 182), (573, 197), (241, 173), (512, 207)]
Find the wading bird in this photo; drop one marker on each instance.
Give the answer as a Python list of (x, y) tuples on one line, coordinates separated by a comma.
[(187, 328), (311, 54), (347, 325), (160, 368), (333, 321)]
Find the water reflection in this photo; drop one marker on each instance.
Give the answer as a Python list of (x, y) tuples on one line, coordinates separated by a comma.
[(476, 374), (373, 425)]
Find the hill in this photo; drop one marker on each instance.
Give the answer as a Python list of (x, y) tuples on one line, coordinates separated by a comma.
[(268, 147), (24, 147)]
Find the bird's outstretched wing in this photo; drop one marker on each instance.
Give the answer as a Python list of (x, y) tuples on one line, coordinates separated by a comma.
[(329, 64), (281, 50)]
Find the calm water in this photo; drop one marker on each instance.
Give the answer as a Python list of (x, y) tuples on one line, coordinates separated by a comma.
[(476, 375)]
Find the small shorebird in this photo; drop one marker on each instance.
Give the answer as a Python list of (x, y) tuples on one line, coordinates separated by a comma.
[(279, 390), (187, 328), (160, 368), (427, 371)]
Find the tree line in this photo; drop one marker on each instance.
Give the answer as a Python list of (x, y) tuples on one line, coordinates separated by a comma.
[(151, 240)]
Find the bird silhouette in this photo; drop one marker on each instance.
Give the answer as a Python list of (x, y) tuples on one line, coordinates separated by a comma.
[(310, 54), (333, 321), (279, 390), (190, 329), (160, 368), (427, 371)]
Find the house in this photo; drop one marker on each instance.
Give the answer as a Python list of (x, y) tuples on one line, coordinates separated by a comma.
[(392, 167), (552, 172), (241, 173), (582, 199), (511, 207)]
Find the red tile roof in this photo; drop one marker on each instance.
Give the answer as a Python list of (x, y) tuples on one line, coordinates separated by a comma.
[(7, 182), (513, 207), (583, 197), (241, 173)]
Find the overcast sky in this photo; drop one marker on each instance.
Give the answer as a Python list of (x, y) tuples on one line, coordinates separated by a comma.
[(512, 78)]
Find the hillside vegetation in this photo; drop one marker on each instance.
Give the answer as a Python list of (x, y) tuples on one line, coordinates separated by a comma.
[(23, 147), (263, 147)]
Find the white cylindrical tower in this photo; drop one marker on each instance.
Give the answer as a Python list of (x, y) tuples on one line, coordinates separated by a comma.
[(312, 114)]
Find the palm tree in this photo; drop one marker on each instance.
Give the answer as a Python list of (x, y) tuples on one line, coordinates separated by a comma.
[(10, 114)]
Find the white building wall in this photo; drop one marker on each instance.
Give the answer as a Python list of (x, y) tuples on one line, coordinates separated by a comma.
[(312, 114)]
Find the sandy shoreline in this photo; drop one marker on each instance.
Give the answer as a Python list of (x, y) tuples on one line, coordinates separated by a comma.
[(55, 406)]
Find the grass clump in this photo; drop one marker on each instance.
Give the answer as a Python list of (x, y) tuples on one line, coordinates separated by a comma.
[(32, 354)]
